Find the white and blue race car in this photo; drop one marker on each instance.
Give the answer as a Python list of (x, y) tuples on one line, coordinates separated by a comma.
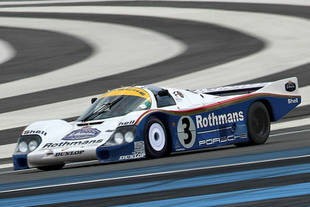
[(147, 121)]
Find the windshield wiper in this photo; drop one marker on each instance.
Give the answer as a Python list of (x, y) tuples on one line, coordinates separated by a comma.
[(102, 109)]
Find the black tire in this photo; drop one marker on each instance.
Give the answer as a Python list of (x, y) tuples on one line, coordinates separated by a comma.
[(52, 167), (155, 138), (258, 123)]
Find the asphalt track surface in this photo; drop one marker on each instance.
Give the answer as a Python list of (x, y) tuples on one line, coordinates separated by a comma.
[(209, 45)]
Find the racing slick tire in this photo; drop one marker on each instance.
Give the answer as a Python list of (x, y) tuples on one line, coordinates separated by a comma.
[(51, 167), (258, 123), (156, 138)]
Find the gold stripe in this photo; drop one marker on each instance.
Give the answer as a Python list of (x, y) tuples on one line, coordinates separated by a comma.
[(128, 91)]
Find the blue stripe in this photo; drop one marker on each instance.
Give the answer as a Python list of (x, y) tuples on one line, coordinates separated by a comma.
[(155, 169), (154, 186), (231, 197)]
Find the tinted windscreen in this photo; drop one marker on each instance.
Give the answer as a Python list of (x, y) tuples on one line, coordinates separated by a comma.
[(113, 106)]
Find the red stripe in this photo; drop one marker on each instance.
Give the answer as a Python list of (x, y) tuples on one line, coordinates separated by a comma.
[(214, 104)]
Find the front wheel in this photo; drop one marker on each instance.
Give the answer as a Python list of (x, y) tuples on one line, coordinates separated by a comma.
[(258, 123), (156, 138)]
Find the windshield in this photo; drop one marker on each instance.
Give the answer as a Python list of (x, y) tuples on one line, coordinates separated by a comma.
[(117, 103)]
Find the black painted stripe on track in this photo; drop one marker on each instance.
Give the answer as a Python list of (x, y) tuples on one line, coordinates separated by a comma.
[(5, 160), (10, 136), (208, 45), (39, 51)]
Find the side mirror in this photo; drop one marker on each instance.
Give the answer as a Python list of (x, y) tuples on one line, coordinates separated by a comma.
[(163, 92), (93, 100)]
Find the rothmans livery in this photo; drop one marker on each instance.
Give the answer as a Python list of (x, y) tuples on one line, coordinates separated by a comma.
[(214, 120), (148, 121)]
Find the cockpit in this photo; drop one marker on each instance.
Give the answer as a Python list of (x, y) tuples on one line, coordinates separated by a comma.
[(162, 96), (118, 102)]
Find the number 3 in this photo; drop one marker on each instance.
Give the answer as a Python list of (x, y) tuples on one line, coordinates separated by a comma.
[(186, 131), (185, 121)]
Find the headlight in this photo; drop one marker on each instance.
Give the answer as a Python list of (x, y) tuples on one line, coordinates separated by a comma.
[(122, 135), (32, 145), (118, 138), (129, 137), (28, 143), (23, 147)]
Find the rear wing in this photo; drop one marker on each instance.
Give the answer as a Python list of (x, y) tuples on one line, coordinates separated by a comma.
[(284, 86)]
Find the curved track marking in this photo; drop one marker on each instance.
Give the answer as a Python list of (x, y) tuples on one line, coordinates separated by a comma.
[(281, 46), (137, 47), (287, 43), (291, 124), (287, 2), (75, 107), (7, 51), (305, 93), (7, 150), (206, 47), (39, 52), (59, 110), (205, 78), (47, 2)]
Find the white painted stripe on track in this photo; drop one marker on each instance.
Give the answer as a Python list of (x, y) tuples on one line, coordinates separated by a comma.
[(7, 150), (291, 124), (9, 165), (289, 133), (287, 43), (118, 48), (7, 51), (305, 95), (286, 2)]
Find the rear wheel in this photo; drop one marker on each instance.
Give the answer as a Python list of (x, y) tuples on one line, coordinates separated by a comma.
[(258, 123), (156, 138)]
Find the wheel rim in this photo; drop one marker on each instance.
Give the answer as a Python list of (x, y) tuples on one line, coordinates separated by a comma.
[(157, 137)]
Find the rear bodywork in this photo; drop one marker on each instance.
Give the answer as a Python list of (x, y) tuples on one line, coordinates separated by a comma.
[(194, 119)]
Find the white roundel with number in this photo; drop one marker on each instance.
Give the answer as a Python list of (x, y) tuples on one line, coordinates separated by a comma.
[(186, 131)]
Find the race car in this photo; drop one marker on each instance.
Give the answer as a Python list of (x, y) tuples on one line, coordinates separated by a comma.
[(149, 121)]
